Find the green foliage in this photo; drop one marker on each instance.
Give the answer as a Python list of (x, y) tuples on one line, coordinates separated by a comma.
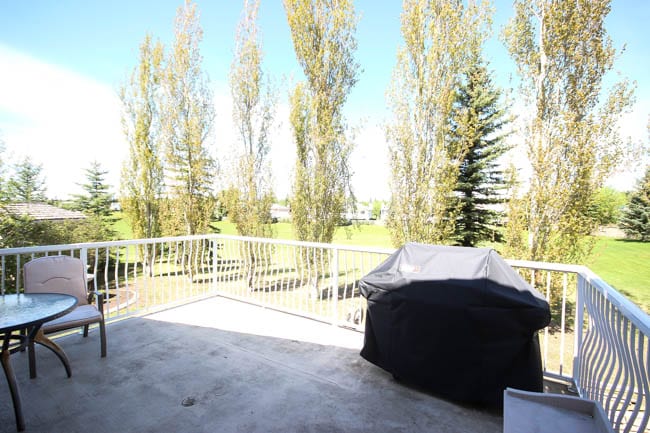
[(635, 220), (97, 200), (376, 209), (324, 42), (515, 231), (27, 184), (250, 198), (252, 217), (477, 120), (3, 184), (23, 231), (187, 120), (142, 180), (573, 143), (96, 203), (438, 36), (607, 205)]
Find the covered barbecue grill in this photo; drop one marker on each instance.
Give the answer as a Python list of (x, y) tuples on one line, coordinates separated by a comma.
[(457, 321)]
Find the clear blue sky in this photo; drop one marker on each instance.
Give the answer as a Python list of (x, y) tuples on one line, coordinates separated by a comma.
[(95, 44)]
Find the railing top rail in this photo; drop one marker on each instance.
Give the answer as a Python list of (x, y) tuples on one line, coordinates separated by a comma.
[(93, 245), (546, 266), (638, 317), (122, 243)]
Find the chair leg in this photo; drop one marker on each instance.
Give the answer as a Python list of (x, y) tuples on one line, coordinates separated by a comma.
[(86, 330), (102, 335)]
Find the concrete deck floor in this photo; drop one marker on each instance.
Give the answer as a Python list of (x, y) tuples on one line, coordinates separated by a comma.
[(237, 368)]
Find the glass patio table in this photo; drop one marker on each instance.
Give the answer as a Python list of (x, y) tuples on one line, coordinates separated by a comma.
[(21, 318)]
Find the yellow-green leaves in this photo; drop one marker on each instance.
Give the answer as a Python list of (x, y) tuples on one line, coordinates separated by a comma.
[(187, 120), (142, 173), (563, 54), (250, 198), (322, 32)]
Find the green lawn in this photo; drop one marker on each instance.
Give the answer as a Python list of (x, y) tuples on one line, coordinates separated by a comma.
[(625, 265), (121, 226), (368, 235)]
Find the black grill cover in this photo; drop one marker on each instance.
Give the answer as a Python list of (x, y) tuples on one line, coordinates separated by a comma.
[(459, 322)]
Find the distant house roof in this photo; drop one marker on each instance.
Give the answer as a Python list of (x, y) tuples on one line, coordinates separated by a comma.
[(43, 212)]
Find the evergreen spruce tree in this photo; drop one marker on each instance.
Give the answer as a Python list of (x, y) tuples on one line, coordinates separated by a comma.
[(477, 122), (636, 216), (28, 183), (97, 200), (96, 203)]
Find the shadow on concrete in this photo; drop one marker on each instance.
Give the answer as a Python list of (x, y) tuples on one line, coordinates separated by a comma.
[(223, 366)]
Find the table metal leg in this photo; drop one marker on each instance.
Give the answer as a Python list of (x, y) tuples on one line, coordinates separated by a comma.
[(13, 385), (41, 339)]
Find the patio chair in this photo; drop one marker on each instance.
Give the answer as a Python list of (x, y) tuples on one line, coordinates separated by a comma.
[(65, 274)]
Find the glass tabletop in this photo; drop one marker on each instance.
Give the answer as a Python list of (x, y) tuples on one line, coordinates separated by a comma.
[(23, 310)]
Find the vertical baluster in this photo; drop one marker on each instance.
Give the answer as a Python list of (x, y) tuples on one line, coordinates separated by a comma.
[(107, 284), (548, 299), (335, 286), (116, 285), (18, 273), (578, 336), (170, 282), (642, 406), (149, 276), (563, 322), (627, 391), (3, 278)]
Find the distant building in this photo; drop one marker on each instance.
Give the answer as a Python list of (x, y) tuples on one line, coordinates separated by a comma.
[(362, 213), (279, 212), (43, 212), (383, 213)]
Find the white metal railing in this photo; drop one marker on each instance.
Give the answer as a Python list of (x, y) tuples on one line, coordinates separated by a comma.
[(602, 338), (136, 276), (598, 340)]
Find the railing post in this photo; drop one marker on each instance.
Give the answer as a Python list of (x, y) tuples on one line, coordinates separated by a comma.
[(578, 325), (2, 281), (83, 255), (213, 258), (335, 286)]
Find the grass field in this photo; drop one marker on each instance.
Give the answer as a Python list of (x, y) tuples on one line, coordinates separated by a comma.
[(625, 265), (367, 235)]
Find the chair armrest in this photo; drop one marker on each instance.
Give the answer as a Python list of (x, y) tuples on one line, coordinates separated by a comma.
[(100, 299)]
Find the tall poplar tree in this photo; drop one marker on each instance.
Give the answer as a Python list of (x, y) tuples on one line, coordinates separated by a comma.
[(250, 198), (142, 179), (438, 36), (187, 119), (563, 53), (477, 121), (323, 38)]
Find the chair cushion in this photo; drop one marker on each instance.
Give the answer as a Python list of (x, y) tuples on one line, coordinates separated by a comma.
[(56, 274), (80, 316)]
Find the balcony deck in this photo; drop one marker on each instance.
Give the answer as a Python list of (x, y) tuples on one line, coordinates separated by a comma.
[(224, 366)]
